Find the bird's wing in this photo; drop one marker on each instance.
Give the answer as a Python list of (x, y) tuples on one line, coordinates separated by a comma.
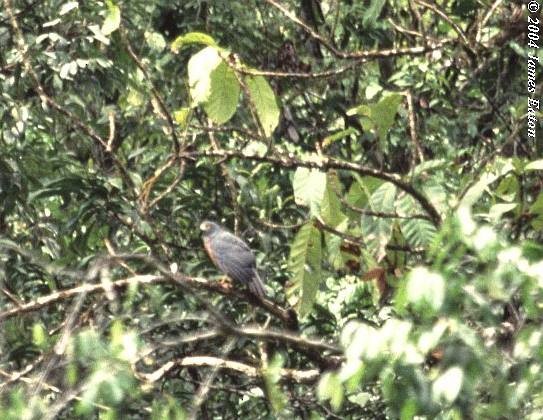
[(229, 239), (234, 257)]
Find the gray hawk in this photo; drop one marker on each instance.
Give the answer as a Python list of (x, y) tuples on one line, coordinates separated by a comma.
[(232, 256)]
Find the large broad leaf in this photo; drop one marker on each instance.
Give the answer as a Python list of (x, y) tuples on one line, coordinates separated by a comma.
[(213, 84), (265, 103), (417, 232), (200, 67), (331, 206), (305, 265), (429, 166), (223, 100), (377, 231), (309, 186)]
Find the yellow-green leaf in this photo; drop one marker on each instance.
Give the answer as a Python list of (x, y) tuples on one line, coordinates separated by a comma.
[(180, 116), (331, 388), (112, 20), (192, 38)]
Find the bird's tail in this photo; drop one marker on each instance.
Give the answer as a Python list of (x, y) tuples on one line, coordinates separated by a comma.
[(256, 286)]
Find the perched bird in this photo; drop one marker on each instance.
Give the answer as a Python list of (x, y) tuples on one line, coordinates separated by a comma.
[(232, 256)]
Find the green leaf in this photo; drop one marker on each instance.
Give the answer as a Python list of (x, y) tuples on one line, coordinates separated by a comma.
[(361, 190), (508, 189), (305, 265), (537, 209), (377, 231), (372, 12), (384, 113), (338, 136), (356, 196), (418, 232), (498, 210), (381, 114), (155, 40), (309, 186), (200, 67), (67, 7), (425, 289), (360, 399), (223, 100), (429, 166), (112, 20), (333, 245), (272, 375), (537, 206), (331, 206), (181, 115), (473, 194), (213, 84), (448, 386), (497, 169), (536, 165), (330, 388), (39, 335), (264, 100), (192, 38)]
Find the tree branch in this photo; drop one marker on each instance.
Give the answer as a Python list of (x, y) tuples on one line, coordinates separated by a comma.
[(300, 376), (357, 54), (325, 163)]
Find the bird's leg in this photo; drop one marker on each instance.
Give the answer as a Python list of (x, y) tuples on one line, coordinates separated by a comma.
[(226, 283)]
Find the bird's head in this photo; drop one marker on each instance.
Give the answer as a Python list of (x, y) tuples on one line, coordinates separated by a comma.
[(209, 228)]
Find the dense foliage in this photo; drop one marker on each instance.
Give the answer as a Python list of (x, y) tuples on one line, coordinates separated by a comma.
[(374, 154)]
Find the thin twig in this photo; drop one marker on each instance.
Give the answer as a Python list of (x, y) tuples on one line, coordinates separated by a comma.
[(437, 10), (156, 95), (413, 129), (357, 54)]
